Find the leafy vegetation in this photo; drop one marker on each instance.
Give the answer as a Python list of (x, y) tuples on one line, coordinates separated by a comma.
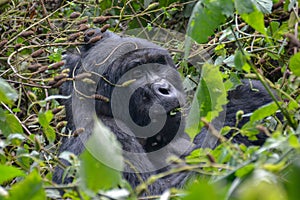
[(243, 39)]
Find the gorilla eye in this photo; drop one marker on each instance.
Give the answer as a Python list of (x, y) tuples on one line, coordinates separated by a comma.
[(137, 73)]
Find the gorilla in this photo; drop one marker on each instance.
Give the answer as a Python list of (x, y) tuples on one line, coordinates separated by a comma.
[(133, 87), (247, 97)]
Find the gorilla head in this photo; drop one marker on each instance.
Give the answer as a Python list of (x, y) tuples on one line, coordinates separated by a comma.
[(139, 81)]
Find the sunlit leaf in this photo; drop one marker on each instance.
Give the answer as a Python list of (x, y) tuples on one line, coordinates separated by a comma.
[(201, 189), (245, 170), (251, 15), (102, 160), (261, 185), (9, 172), (277, 167), (44, 120), (9, 124), (264, 112), (295, 63), (208, 101), (293, 178), (7, 94), (30, 188), (205, 18)]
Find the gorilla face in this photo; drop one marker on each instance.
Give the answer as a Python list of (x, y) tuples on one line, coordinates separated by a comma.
[(153, 92), (147, 96)]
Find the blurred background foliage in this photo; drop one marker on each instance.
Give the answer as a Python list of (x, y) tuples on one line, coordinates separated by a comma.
[(255, 39)]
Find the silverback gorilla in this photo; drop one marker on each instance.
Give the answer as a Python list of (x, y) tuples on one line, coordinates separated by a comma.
[(133, 87)]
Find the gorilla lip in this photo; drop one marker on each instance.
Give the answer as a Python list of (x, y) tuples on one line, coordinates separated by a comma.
[(175, 111)]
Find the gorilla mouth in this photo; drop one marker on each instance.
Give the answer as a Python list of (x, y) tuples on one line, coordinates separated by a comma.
[(175, 111), (169, 110)]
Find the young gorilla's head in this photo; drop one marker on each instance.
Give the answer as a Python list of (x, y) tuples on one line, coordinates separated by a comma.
[(143, 87)]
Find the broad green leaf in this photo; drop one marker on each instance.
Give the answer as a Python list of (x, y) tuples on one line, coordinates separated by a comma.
[(239, 60), (244, 6), (274, 31), (294, 141), (44, 120), (249, 129), (293, 177), (165, 3), (102, 160), (16, 139), (206, 17), (251, 15), (261, 185), (208, 101), (227, 7), (9, 124), (202, 189), (264, 112), (7, 173), (245, 170), (50, 133), (30, 188), (7, 94), (295, 64), (265, 6)]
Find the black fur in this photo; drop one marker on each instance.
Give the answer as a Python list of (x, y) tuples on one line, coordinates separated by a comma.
[(247, 97), (149, 78), (154, 82)]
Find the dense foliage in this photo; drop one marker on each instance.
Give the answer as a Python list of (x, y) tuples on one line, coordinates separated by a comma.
[(237, 38)]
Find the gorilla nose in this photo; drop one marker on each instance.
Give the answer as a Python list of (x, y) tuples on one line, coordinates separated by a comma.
[(163, 88)]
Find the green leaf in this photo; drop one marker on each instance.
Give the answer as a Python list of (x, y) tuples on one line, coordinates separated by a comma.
[(7, 173), (201, 189), (261, 185), (208, 101), (249, 129), (102, 160), (30, 188), (9, 124), (44, 120), (239, 60), (251, 15), (294, 142), (50, 133), (55, 56), (165, 3), (293, 179), (244, 6), (265, 6), (256, 21), (295, 63), (264, 112), (205, 18), (7, 94), (227, 7), (245, 170)]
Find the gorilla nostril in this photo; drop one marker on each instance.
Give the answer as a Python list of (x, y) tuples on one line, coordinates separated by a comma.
[(164, 91)]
